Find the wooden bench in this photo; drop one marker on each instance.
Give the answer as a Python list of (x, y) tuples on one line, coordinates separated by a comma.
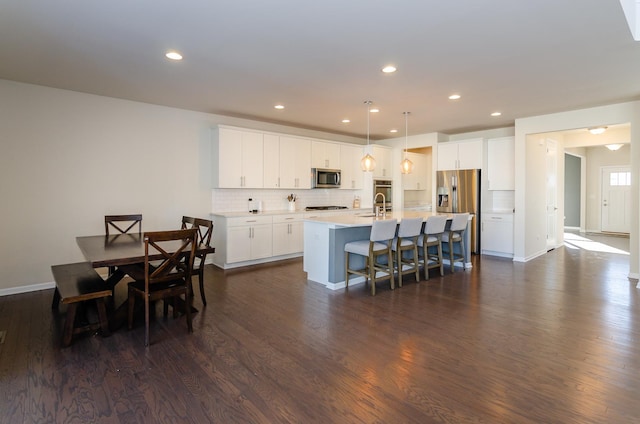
[(77, 283)]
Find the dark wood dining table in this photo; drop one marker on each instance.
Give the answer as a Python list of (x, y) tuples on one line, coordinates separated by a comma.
[(117, 250)]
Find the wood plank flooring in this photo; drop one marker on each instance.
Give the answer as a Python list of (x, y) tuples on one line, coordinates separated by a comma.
[(555, 340)]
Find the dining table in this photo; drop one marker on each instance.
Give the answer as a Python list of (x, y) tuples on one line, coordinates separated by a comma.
[(117, 250)]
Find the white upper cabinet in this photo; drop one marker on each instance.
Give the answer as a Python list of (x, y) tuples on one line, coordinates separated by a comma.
[(295, 162), (384, 161), (460, 155), (325, 155), (417, 179), (271, 160), (352, 175), (501, 163), (238, 159)]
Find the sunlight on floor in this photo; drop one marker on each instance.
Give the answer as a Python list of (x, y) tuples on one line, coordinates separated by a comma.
[(576, 241)]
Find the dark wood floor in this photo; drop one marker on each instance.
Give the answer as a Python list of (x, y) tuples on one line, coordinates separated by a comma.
[(555, 340)]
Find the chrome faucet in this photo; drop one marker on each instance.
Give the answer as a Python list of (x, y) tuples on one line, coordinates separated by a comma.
[(377, 210)]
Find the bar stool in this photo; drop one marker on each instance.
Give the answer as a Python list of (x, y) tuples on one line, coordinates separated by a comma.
[(378, 245), (407, 240), (433, 230), (455, 234)]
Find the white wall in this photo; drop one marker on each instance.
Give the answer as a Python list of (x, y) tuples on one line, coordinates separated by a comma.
[(70, 158)]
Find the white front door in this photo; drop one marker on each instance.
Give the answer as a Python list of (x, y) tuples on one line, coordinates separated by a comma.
[(552, 190), (616, 199)]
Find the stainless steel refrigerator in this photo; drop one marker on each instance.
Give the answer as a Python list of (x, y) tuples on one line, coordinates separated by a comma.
[(459, 192)]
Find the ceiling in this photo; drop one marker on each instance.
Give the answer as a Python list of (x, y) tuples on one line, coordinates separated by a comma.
[(322, 60)]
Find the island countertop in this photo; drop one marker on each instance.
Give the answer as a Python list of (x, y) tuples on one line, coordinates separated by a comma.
[(367, 219)]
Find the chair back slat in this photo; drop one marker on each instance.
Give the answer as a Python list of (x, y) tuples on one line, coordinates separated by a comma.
[(111, 222), (410, 227), (435, 224), (383, 230), (176, 260), (204, 228), (459, 222)]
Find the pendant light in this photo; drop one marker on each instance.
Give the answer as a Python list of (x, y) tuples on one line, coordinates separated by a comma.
[(368, 163), (406, 166)]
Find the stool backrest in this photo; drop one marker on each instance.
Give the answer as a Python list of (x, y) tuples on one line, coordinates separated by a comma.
[(410, 227), (383, 230), (435, 224), (459, 222)]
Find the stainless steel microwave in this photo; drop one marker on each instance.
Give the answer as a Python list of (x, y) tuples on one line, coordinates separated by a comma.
[(325, 178)]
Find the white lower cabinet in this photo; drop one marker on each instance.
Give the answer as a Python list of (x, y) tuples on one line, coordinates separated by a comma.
[(497, 234), (288, 234), (248, 239)]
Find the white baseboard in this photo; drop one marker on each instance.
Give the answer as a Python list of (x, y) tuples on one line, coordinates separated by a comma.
[(27, 289)]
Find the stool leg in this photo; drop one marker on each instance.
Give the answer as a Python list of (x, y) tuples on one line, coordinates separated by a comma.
[(464, 262), (346, 269), (416, 262), (440, 258), (372, 273)]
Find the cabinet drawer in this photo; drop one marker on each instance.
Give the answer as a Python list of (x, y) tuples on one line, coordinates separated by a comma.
[(249, 220), (277, 219), (497, 217)]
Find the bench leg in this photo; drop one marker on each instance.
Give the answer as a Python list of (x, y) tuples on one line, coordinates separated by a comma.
[(102, 316), (67, 334)]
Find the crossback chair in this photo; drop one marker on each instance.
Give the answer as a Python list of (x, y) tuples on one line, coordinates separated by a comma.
[(121, 224), (204, 228), (114, 222), (173, 253)]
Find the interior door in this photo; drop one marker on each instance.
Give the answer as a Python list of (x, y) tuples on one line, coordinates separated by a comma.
[(616, 199), (552, 190)]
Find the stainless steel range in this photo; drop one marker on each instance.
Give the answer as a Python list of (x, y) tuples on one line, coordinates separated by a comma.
[(323, 208)]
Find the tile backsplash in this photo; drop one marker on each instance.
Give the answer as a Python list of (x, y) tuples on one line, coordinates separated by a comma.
[(237, 200)]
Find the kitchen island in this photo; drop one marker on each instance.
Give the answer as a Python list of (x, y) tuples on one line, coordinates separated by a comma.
[(325, 237)]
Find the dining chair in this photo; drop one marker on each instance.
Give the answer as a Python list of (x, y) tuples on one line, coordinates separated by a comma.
[(433, 230), (405, 247), (455, 234), (204, 229), (377, 247), (173, 253), (116, 223)]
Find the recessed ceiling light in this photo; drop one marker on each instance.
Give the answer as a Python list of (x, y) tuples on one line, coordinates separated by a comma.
[(279, 107), (454, 97), (346, 121), (597, 130), (374, 110), (173, 55), (393, 131), (496, 114), (389, 69)]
